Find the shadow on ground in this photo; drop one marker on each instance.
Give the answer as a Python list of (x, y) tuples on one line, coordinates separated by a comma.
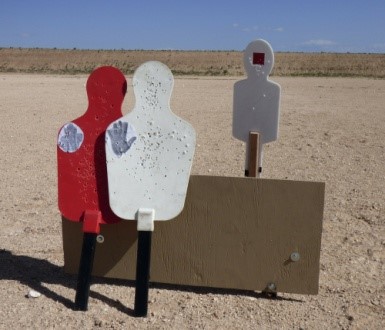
[(35, 273)]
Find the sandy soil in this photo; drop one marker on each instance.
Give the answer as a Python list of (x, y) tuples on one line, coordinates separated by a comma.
[(331, 130)]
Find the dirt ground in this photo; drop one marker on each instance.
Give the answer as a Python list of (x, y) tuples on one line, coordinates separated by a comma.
[(331, 130)]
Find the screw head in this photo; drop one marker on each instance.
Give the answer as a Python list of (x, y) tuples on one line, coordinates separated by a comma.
[(295, 256), (271, 287)]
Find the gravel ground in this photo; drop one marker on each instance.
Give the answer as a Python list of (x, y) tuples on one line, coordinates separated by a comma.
[(331, 130)]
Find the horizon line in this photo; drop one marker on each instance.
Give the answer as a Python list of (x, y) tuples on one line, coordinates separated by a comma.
[(181, 50)]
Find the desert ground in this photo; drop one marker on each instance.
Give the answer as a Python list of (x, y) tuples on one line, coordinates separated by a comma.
[(331, 130), (197, 63)]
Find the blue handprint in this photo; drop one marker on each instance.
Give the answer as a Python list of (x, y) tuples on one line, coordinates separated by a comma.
[(70, 139), (118, 135)]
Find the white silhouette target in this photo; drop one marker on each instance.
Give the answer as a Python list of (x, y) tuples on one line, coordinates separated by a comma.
[(256, 99), (150, 150)]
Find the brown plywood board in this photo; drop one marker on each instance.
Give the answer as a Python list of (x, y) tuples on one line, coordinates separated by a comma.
[(232, 233)]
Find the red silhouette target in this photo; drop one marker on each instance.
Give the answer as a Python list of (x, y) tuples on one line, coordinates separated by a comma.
[(82, 173)]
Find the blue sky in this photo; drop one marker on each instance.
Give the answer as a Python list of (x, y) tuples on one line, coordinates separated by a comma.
[(291, 25)]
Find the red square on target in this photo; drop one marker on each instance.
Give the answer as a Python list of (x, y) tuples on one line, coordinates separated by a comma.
[(259, 58)]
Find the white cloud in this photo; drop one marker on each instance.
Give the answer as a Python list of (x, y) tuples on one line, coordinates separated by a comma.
[(256, 28), (379, 47), (244, 28), (319, 42)]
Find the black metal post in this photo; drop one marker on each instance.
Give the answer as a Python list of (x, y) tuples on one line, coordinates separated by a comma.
[(142, 273), (85, 270)]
